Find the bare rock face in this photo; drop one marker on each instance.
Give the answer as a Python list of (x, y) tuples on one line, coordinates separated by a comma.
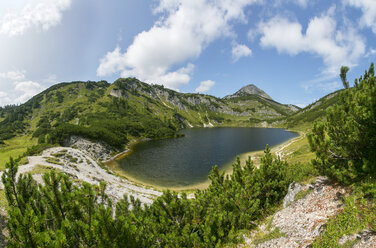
[(116, 93), (97, 150), (305, 219), (293, 107), (302, 220), (367, 239), (294, 188), (250, 89)]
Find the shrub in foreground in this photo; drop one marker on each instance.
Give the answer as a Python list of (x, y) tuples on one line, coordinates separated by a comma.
[(63, 214), (345, 143)]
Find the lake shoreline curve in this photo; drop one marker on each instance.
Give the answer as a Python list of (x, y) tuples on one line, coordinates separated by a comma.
[(277, 149)]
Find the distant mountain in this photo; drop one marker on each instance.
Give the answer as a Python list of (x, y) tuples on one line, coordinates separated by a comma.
[(128, 108), (250, 89)]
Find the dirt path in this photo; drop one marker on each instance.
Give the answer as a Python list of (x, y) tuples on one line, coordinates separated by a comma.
[(279, 150)]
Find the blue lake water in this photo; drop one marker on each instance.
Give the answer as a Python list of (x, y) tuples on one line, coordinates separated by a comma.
[(188, 160)]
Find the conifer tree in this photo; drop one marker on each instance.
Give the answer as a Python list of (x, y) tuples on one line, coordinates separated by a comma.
[(344, 70), (345, 143), (60, 213)]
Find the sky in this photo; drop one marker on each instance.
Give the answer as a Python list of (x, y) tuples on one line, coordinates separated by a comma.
[(292, 49)]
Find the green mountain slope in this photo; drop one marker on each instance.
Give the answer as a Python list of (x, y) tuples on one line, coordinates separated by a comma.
[(304, 118), (128, 108)]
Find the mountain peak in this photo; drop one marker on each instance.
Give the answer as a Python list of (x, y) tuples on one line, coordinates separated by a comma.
[(249, 89)]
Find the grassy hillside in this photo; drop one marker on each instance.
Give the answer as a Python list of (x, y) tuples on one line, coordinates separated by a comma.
[(129, 109), (298, 150), (303, 119), (119, 112)]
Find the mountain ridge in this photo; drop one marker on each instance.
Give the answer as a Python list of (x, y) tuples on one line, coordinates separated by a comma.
[(129, 108), (249, 89)]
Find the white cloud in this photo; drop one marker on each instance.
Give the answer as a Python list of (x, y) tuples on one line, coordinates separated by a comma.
[(26, 90), (301, 3), (301, 105), (37, 13), (4, 99), (326, 87), (16, 89), (322, 38), (111, 63), (239, 50), (185, 29), (13, 75), (370, 53), (283, 35), (368, 8), (205, 86), (50, 79)]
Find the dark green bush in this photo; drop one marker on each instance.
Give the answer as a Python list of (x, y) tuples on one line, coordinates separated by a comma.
[(345, 143), (61, 214)]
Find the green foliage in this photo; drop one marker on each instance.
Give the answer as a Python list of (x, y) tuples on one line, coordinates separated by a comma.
[(13, 121), (62, 132), (345, 143), (107, 118), (276, 233), (313, 112), (301, 194), (344, 70), (36, 149), (54, 161), (61, 214), (266, 103), (300, 172), (139, 110)]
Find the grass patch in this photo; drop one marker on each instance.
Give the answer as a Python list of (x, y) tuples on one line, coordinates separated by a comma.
[(73, 160), (41, 169), (269, 233), (58, 154), (298, 151), (14, 147), (350, 244), (301, 194), (53, 161), (3, 200), (23, 161), (276, 233), (74, 167), (359, 214)]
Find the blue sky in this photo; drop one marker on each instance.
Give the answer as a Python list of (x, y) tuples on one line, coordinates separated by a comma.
[(292, 49)]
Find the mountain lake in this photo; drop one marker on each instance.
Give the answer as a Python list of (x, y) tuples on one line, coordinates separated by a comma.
[(186, 161)]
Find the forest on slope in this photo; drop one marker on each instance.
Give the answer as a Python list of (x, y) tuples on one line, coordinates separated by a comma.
[(126, 110)]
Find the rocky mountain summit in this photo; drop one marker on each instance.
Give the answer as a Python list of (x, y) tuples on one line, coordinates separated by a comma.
[(250, 89)]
